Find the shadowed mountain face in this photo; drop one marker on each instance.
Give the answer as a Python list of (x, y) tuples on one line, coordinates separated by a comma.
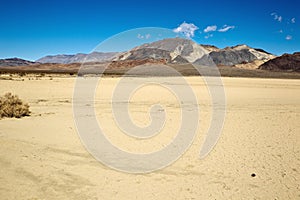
[(15, 62), (286, 62), (78, 58), (232, 57), (241, 54)]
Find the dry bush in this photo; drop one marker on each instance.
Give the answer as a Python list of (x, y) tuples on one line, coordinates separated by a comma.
[(12, 106)]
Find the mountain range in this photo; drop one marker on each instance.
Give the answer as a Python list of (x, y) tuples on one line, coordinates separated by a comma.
[(178, 51), (173, 50)]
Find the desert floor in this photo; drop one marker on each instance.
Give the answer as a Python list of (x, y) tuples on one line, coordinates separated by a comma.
[(42, 157)]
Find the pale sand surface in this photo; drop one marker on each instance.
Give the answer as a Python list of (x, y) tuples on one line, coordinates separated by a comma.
[(41, 156)]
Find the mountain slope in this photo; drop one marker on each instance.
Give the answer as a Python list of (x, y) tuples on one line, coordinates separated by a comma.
[(286, 62), (241, 54), (172, 50), (185, 48), (15, 62), (63, 59), (152, 53)]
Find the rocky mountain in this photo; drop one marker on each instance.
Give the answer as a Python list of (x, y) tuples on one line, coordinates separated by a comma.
[(152, 53), (62, 58), (78, 58), (180, 51), (15, 62), (240, 54), (286, 62), (174, 50), (210, 48)]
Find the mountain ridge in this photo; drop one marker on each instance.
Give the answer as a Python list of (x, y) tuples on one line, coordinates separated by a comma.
[(9, 62), (286, 62), (77, 58), (174, 50), (201, 54)]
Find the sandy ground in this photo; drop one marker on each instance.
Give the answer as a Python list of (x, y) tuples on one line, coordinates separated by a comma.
[(41, 156)]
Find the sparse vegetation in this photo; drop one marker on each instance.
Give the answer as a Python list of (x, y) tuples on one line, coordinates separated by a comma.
[(11, 106), (21, 74)]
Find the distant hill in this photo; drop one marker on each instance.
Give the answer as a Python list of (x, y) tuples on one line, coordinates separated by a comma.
[(286, 62), (78, 58), (9, 62)]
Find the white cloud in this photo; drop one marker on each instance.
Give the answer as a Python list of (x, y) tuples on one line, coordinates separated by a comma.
[(210, 29), (226, 28), (280, 31), (147, 36), (293, 20), (208, 36), (277, 17), (140, 36), (188, 29), (289, 37)]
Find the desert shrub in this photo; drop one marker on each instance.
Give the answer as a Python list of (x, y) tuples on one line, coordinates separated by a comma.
[(12, 106), (22, 74)]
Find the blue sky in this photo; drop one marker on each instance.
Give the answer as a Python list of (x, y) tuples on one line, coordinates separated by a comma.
[(32, 29)]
